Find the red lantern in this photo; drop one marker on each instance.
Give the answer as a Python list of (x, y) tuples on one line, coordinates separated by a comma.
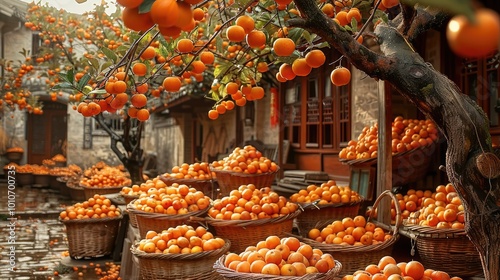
[(274, 106)]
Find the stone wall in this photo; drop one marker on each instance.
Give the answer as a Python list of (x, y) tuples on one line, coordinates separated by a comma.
[(364, 101), (22, 38), (77, 154)]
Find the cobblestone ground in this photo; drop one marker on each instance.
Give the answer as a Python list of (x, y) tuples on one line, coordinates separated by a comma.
[(40, 248)]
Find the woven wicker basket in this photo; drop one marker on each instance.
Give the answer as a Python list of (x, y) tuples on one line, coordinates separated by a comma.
[(41, 179), (159, 222), (76, 192), (131, 214), (229, 180), (315, 214), (91, 191), (227, 273), (25, 179), (128, 198), (194, 266), (244, 233), (449, 250), (91, 238), (208, 187), (358, 257)]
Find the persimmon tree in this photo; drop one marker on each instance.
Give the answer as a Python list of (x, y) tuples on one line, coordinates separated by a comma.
[(237, 46)]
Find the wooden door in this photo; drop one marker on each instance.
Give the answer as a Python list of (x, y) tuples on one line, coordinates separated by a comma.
[(47, 132)]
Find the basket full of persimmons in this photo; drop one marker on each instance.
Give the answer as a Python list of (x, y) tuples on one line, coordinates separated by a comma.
[(324, 203), (91, 227), (357, 241), (166, 207), (249, 214), (244, 166), (180, 252), (278, 258)]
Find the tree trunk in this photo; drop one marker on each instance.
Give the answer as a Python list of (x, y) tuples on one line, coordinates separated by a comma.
[(132, 159), (471, 165)]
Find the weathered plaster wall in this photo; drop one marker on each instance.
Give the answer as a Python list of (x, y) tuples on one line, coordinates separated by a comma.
[(364, 91)]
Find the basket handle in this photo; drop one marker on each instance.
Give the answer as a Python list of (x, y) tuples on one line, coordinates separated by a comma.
[(396, 206)]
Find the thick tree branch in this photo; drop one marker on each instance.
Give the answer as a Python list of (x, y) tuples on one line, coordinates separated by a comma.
[(408, 12), (422, 20), (360, 56)]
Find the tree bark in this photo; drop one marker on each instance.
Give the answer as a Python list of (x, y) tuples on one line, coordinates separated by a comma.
[(471, 165)]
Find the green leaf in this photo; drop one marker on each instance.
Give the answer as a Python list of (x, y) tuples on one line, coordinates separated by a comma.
[(452, 6), (145, 6), (64, 85), (83, 81), (70, 76), (98, 91), (109, 54)]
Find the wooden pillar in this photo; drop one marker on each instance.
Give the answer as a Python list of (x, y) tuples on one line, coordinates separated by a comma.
[(384, 159)]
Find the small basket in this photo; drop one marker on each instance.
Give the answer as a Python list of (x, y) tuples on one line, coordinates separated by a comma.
[(91, 191), (443, 249), (313, 214), (208, 187), (227, 273), (158, 222), (193, 266), (91, 238), (355, 257), (229, 180), (244, 233)]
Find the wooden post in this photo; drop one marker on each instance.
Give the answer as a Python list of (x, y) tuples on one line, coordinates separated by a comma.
[(384, 159)]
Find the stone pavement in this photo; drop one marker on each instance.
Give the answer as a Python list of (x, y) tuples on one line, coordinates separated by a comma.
[(32, 240)]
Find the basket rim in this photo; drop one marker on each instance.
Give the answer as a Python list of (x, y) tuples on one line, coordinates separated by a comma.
[(226, 272), (241, 174), (93, 188), (191, 256), (129, 195), (315, 205), (395, 155), (78, 188), (245, 223), (161, 216), (419, 230), (181, 181), (91, 220), (348, 248)]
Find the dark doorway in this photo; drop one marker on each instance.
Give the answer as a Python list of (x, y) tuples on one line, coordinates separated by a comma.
[(47, 133)]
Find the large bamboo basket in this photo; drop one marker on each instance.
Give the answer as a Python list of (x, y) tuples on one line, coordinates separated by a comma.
[(244, 233), (154, 266), (208, 187), (314, 214), (229, 180), (227, 273), (449, 250), (407, 167), (358, 257), (91, 238), (158, 222)]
